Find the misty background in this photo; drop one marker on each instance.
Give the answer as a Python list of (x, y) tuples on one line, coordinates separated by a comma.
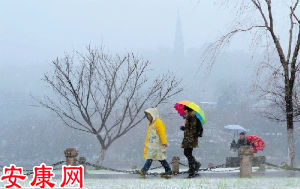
[(171, 34)]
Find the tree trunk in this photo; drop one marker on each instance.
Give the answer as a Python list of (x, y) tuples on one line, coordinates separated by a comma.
[(101, 156), (290, 126), (291, 148), (103, 149)]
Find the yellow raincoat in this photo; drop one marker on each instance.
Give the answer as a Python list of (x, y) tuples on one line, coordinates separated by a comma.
[(156, 137)]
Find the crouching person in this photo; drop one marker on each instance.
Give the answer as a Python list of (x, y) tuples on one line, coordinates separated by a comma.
[(155, 144)]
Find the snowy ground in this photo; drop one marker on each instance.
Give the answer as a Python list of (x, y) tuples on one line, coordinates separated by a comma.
[(209, 183), (221, 178), (196, 183)]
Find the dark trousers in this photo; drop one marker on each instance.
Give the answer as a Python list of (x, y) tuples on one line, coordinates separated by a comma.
[(188, 152), (164, 163)]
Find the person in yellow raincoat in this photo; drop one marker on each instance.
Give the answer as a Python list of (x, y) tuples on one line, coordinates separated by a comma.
[(155, 143)]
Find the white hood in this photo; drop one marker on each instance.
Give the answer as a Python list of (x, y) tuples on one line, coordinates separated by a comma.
[(153, 112)]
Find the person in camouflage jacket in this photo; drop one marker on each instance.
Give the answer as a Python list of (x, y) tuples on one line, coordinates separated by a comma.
[(192, 130)]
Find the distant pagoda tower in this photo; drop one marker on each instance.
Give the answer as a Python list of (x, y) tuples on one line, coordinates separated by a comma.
[(178, 49)]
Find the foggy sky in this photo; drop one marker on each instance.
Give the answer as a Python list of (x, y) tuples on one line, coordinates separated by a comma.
[(35, 32), (132, 24)]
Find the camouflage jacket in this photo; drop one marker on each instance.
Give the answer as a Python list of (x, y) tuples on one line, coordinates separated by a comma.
[(190, 139)]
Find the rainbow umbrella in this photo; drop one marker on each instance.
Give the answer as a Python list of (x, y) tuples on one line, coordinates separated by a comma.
[(179, 106)]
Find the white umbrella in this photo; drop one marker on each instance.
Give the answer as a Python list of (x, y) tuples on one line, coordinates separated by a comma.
[(234, 128)]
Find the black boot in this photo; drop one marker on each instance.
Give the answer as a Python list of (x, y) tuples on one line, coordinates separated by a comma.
[(197, 166), (191, 170)]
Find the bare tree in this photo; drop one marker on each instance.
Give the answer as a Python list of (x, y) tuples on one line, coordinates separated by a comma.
[(271, 88), (287, 60), (103, 94)]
